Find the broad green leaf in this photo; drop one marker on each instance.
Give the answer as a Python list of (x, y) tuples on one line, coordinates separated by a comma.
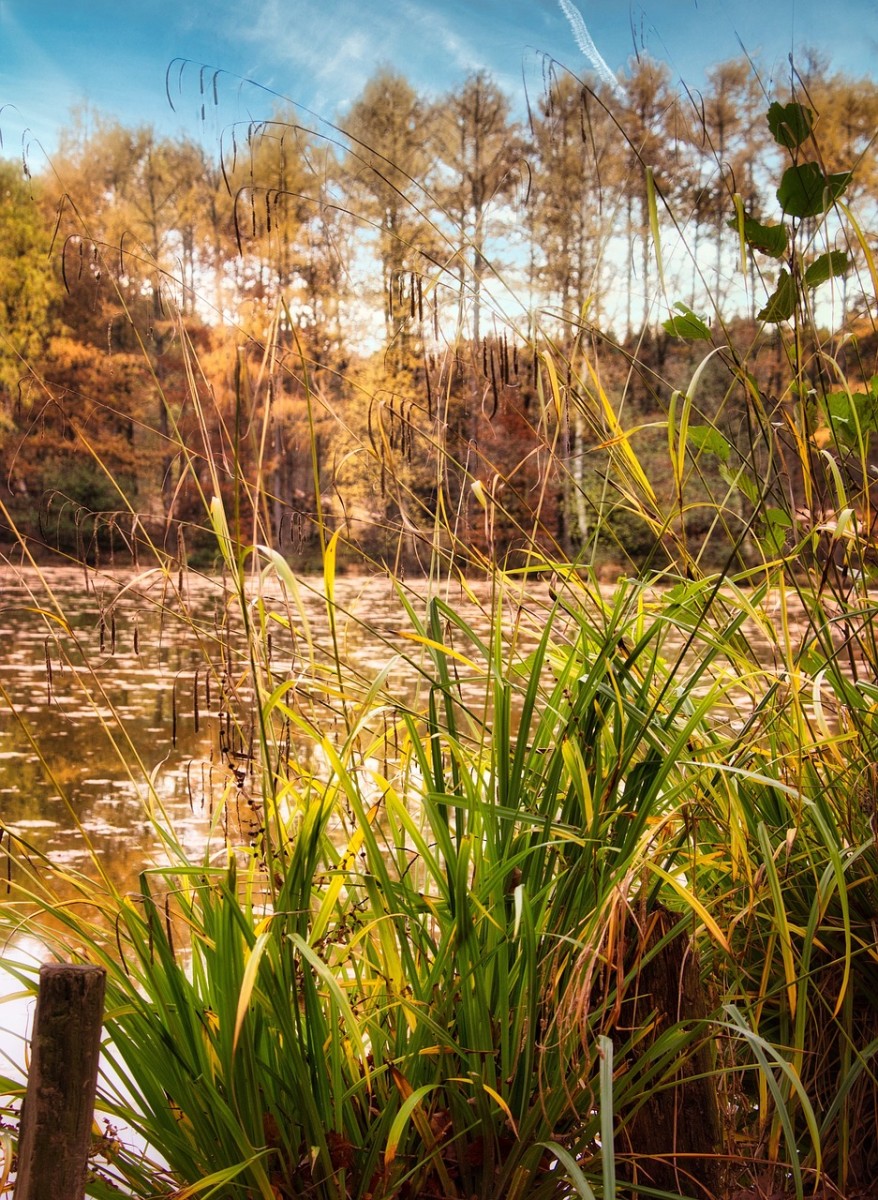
[(440, 648), (826, 267), (781, 921), (767, 239), (223, 534), (608, 1153), (689, 897), (329, 562), (401, 1120), (219, 1181), (762, 1051), (777, 522), (850, 412), (688, 325), (806, 192), (839, 408), (654, 222), (742, 482), (782, 304), (790, 124), (248, 982), (709, 441)]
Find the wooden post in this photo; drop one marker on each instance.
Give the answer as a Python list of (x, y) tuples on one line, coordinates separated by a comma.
[(56, 1120), (675, 1139)]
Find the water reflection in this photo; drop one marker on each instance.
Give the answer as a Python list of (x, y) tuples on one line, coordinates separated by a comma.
[(95, 681), (116, 690)]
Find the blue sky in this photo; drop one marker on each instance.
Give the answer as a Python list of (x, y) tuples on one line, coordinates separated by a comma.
[(114, 54)]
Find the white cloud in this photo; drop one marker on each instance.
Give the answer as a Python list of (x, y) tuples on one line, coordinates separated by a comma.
[(436, 30), (318, 54), (323, 54)]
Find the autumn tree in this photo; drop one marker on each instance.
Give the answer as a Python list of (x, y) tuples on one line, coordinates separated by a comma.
[(29, 286), (130, 234), (388, 170), (648, 119), (574, 194), (290, 264), (72, 428), (482, 155), (137, 196), (731, 156)]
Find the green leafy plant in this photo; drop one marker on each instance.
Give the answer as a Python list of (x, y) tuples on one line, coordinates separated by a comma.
[(573, 890)]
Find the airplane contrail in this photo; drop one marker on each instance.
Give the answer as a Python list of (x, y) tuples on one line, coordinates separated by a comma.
[(585, 42)]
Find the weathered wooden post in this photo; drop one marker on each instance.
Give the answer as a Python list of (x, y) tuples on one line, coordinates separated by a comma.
[(56, 1120)]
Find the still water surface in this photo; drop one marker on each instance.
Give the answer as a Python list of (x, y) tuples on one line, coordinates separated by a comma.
[(111, 697), (89, 679)]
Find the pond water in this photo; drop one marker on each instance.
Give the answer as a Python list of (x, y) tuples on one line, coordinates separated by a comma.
[(113, 700), (114, 689), (90, 678)]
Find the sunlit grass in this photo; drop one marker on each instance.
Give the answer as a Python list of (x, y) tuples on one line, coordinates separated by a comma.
[(579, 898)]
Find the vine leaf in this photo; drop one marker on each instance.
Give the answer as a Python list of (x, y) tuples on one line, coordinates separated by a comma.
[(776, 525), (709, 440), (790, 124), (782, 304), (853, 415), (687, 325), (805, 191), (827, 266), (768, 239)]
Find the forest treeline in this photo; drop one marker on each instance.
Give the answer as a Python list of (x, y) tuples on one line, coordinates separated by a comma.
[(356, 315)]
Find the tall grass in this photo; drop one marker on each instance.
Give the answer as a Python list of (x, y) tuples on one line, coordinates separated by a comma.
[(579, 900)]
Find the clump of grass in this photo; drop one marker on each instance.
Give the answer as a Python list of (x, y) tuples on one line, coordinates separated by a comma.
[(387, 997), (579, 900)]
